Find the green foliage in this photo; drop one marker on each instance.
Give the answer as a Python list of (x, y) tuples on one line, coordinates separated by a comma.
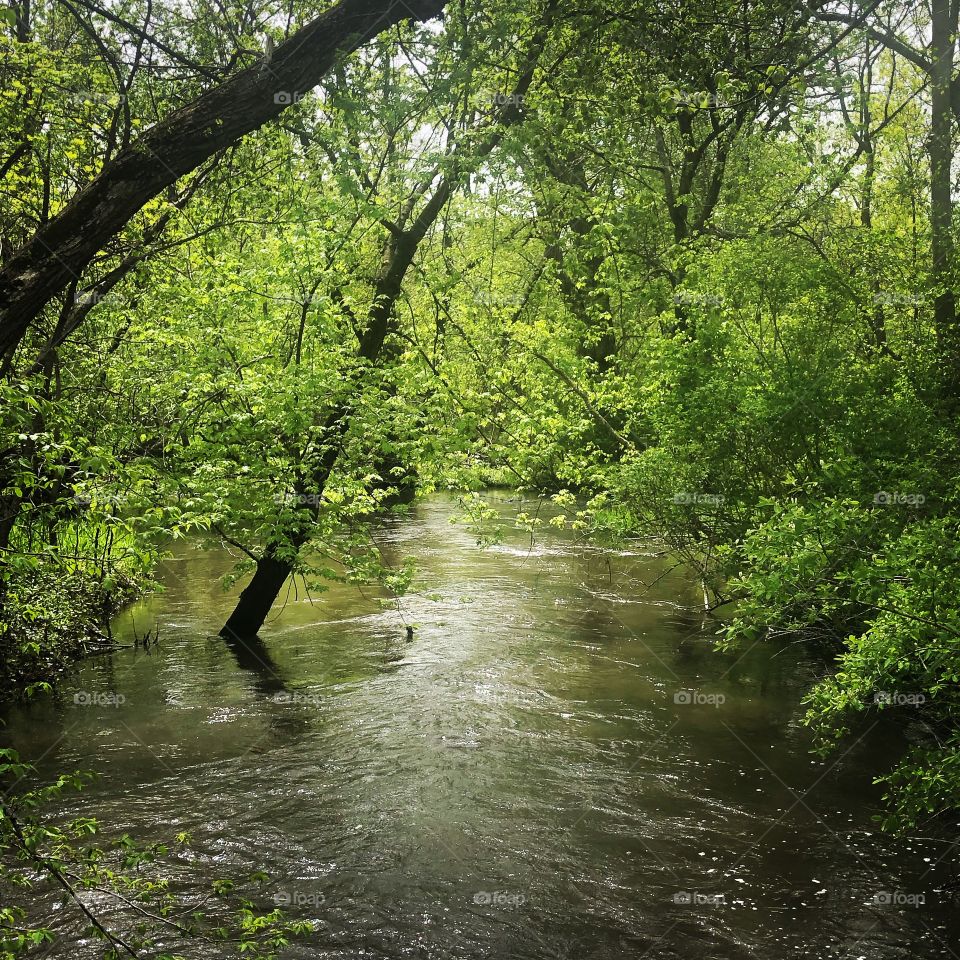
[(682, 284), (36, 853)]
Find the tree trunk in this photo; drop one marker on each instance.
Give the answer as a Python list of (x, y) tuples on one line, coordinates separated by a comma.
[(257, 598), (943, 29), (398, 254), (271, 572)]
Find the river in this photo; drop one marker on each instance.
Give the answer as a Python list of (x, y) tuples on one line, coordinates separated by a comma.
[(557, 766)]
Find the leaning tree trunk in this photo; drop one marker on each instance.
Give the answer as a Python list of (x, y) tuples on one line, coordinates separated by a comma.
[(257, 598), (63, 247), (277, 561)]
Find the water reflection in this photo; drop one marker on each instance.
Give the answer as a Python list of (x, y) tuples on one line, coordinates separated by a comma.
[(251, 654)]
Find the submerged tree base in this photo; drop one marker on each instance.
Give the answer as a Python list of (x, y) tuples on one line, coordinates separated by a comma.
[(256, 599)]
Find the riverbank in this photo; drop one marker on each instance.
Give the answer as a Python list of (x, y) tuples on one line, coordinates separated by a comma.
[(52, 620), (53, 615)]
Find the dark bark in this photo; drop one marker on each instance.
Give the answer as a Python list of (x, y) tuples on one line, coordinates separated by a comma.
[(62, 248), (257, 598), (943, 32), (277, 561)]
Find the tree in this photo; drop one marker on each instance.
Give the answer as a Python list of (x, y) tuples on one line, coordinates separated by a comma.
[(419, 211), (938, 61), (63, 247)]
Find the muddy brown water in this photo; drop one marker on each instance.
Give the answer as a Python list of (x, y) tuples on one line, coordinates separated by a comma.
[(558, 766)]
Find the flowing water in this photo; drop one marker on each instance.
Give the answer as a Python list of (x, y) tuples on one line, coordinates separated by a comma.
[(557, 766)]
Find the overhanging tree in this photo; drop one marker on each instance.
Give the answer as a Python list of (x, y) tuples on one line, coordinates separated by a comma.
[(63, 247)]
